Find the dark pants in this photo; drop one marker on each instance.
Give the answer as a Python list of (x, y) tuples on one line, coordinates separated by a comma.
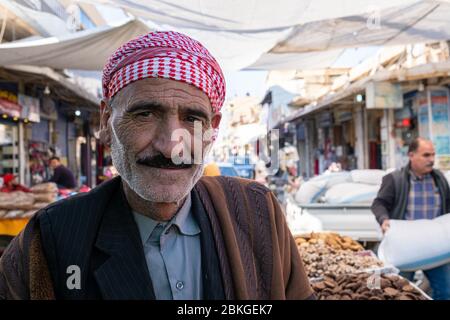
[(439, 279)]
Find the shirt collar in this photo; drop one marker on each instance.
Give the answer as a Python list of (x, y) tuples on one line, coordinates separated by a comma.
[(416, 178), (183, 220)]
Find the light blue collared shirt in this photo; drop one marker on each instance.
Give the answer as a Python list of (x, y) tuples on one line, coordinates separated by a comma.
[(173, 254)]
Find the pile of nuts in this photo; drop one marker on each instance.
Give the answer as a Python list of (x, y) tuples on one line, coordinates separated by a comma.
[(365, 286), (333, 240), (320, 259)]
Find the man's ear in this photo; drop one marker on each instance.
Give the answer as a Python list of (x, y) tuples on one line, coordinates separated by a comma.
[(105, 130), (215, 120)]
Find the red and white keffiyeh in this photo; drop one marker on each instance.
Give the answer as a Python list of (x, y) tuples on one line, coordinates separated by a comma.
[(169, 55)]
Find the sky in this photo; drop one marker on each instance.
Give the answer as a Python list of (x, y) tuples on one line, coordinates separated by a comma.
[(239, 83)]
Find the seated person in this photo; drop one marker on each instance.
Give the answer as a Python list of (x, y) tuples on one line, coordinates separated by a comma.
[(62, 175), (11, 184)]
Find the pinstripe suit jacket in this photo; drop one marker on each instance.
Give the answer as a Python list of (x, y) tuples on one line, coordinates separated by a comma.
[(247, 249)]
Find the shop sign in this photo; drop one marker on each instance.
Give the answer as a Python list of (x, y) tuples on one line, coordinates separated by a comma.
[(440, 122), (343, 115), (8, 104), (325, 120), (444, 162), (384, 95), (30, 108), (434, 122)]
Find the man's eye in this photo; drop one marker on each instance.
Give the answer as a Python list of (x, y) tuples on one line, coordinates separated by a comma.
[(192, 119), (144, 114)]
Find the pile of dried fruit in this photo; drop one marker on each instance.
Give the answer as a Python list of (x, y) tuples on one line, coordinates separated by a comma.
[(320, 259), (333, 240), (365, 286)]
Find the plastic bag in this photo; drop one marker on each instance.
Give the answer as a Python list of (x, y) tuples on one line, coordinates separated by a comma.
[(418, 244), (300, 221)]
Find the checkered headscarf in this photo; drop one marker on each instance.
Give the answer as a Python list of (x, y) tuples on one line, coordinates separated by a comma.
[(169, 55)]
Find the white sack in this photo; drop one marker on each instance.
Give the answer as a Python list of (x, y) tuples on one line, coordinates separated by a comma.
[(312, 189), (418, 244), (369, 176), (350, 192)]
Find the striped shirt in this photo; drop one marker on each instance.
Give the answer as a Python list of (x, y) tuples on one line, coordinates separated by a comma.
[(424, 200)]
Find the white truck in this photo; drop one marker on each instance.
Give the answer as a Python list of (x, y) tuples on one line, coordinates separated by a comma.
[(353, 220)]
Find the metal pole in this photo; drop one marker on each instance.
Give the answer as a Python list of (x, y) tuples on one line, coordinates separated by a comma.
[(430, 116), (21, 151)]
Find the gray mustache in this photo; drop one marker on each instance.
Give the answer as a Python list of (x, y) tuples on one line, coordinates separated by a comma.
[(160, 161)]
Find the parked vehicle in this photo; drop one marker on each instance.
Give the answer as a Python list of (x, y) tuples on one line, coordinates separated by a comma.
[(244, 167), (227, 169)]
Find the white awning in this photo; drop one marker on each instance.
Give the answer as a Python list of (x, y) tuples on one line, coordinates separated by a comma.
[(68, 83), (87, 50), (422, 21), (244, 17), (264, 35)]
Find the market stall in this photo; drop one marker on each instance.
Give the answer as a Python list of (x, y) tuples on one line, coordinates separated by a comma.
[(340, 269), (17, 207)]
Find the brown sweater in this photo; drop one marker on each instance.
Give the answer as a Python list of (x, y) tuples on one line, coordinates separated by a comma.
[(256, 252)]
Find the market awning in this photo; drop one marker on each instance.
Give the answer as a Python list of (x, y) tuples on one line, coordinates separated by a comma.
[(88, 50), (241, 34), (422, 21), (66, 88), (298, 61), (244, 16), (34, 21), (286, 34)]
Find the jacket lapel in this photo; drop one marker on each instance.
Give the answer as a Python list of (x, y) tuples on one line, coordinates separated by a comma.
[(211, 274), (124, 273)]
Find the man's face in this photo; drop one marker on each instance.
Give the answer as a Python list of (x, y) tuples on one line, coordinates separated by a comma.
[(422, 161), (139, 125), (54, 163)]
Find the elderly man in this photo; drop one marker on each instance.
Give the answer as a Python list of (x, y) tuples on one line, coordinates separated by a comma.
[(159, 230), (416, 192)]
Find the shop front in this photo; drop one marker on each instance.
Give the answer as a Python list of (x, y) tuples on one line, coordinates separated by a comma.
[(344, 138), (17, 112), (405, 128), (325, 153)]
